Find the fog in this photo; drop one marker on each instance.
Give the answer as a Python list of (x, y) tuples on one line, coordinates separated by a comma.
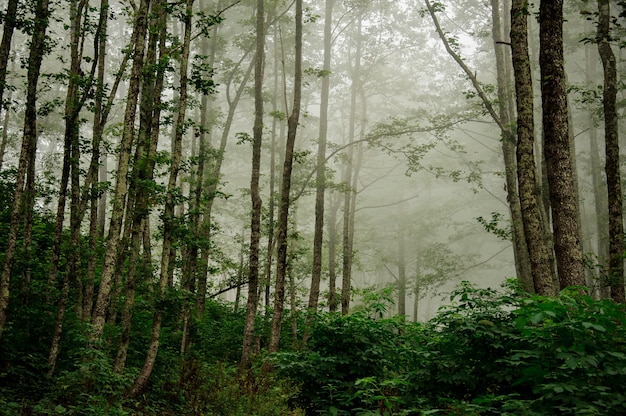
[(408, 138)]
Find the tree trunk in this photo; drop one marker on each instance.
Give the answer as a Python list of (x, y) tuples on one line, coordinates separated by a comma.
[(542, 278), (401, 273), (255, 221), (520, 251), (564, 207), (5, 119), (348, 175), (160, 17), (612, 164), (283, 210), (332, 251), (9, 21), (27, 152), (320, 177), (121, 185), (522, 257), (143, 173)]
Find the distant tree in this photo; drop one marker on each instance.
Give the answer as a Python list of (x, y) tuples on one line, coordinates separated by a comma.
[(560, 174), (349, 175)]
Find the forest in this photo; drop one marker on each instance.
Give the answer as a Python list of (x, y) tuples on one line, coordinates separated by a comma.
[(330, 207)]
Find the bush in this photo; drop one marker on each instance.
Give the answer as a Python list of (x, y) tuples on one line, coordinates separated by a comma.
[(500, 352)]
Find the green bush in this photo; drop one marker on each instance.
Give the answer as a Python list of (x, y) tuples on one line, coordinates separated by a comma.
[(492, 352)]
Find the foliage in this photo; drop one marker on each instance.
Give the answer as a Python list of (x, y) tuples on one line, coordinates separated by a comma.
[(490, 353)]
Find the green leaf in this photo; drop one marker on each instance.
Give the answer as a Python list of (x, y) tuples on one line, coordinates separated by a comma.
[(597, 327), (536, 318)]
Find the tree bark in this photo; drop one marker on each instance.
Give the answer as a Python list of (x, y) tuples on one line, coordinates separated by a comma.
[(255, 220), (612, 164), (27, 152), (320, 178), (121, 185), (401, 273), (520, 250), (544, 282), (9, 21), (563, 204), (283, 210), (160, 27)]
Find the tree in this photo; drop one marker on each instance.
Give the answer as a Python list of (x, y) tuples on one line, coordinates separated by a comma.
[(502, 119), (543, 279), (27, 151), (285, 197), (121, 186), (255, 216), (612, 164), (560, 174), (349, 177), (9, 24), (320, 178)]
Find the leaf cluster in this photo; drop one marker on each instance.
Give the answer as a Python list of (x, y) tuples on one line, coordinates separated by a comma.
[(492, 352)]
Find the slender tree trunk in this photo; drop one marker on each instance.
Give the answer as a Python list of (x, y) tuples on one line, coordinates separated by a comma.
[(6, 117), (543, 280), (9, 21), (255, 223), (169, 215), (121, 185), (520, 250), (522, 257), (320, 177), (348, 174), (283, 211), (401, 273), (418, 276), (27, 152), (332, 252), (142, 175), (271, 208), (203, 228), (564, 207), (612, 164), (160, 27)]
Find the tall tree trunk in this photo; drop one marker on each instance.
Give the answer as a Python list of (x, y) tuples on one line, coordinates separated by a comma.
[(523, 262), (169, 214), (9, 22), (143, 173), (320, 177), (271, 205), (27, 152), (255, 221), (348, 173), (5, 118), (332, 251), (612, 164), (401, 273), (121, 185), (564, 207), (543, 280), (520, 251), (100, 45), (283, 211), (160, 25)]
